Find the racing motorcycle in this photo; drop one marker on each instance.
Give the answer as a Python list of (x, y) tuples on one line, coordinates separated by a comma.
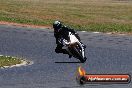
[(74, 47)]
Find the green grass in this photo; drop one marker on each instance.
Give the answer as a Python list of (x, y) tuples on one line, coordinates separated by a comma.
[(88, 15), (8, 61)]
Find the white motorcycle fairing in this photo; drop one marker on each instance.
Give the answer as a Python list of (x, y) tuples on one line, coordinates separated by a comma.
[(73, 40)]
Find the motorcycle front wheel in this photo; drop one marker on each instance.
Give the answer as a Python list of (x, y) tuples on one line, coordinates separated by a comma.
[(79, 54)]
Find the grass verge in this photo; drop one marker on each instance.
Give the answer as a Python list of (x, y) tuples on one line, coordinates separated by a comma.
[(8, 61), (88, 15)]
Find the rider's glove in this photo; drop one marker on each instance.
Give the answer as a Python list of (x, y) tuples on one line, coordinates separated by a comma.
[(65, 42)]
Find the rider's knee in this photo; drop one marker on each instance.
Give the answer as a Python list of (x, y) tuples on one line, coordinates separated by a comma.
[(58, 50), (64, 51)]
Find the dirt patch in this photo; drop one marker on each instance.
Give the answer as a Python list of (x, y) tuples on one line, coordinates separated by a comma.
[(24, 25)]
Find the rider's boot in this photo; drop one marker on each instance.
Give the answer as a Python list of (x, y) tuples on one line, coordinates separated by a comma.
[(70, 56)]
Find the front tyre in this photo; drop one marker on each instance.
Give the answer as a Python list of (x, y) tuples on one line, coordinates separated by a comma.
[(82, 60), (79, 54)]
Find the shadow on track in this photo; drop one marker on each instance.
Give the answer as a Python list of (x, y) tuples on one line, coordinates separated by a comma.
[(68, 62)]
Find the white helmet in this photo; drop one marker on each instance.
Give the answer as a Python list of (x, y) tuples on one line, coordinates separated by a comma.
[(57, 25)]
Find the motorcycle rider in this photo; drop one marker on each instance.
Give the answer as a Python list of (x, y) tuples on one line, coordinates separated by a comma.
[(61, 31)]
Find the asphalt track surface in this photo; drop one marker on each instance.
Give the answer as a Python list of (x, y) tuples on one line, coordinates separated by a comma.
[(105, 53)]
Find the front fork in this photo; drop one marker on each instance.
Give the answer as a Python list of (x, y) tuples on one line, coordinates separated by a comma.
[(83, 50)]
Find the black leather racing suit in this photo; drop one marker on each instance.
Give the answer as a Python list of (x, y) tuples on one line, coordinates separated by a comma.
[(63, 33)]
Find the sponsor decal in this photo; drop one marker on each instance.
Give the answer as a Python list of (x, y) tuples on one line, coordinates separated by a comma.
[(83, 78)]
